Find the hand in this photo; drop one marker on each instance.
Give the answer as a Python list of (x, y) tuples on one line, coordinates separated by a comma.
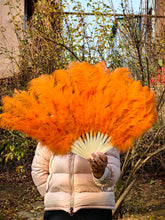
[(98, 164)]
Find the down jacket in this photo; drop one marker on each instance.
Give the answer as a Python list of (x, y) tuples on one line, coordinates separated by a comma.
[(66, 182)]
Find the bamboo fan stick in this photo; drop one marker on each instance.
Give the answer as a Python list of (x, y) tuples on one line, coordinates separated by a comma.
[(84, 147)]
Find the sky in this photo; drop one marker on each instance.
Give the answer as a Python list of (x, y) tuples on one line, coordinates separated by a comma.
[(117, 4), (93, 24), (134, 3)]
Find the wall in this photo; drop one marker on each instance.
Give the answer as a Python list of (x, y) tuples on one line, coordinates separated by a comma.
[(10, 40), (160, 22)]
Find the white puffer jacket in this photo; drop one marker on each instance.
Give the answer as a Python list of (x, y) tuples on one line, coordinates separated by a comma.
[(66, 182)]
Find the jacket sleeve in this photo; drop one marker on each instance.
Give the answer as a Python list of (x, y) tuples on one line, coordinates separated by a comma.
[(112, 171), (40, 168)]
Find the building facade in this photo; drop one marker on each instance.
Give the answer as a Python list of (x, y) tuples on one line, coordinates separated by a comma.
[(154, 25), (9, 10), (21, 11), (8, 38)]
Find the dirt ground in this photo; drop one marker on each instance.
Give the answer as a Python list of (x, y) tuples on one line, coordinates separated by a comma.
[(146, 200), (19, 199)]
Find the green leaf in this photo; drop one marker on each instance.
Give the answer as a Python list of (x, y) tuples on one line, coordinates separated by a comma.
[(12, 148), (152, 182), (160, 62)]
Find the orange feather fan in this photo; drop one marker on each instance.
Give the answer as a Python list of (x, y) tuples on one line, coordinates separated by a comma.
[(85, 105)]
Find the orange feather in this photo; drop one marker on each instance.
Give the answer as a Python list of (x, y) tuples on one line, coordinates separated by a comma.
[(57, 109)]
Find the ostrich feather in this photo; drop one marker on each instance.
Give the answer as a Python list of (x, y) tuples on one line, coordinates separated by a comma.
[(83, 109)]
